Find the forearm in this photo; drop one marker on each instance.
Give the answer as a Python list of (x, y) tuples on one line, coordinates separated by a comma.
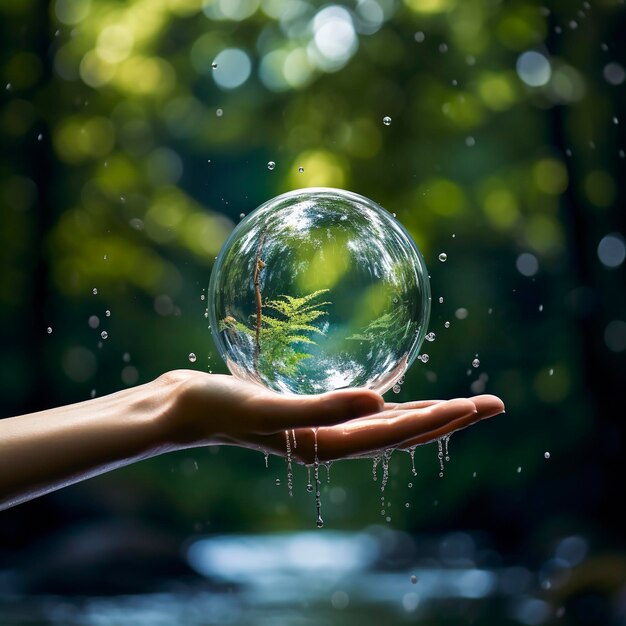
[(51, 449)]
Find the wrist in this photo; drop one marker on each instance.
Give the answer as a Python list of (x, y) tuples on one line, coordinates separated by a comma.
[(176, 403)]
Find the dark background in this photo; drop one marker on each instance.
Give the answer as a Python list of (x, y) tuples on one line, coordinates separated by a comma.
[(126, 160)]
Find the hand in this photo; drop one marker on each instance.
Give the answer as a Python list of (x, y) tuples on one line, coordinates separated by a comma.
[(217, 409)]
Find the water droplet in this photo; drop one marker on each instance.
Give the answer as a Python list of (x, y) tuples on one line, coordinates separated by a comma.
[(546, 455), (92, 394), (266, 455), (413, 578), (289, 468), (242, 215), (443, 48), (126, 357), (443, 257), (474, 475), (39, 137), (386, 120), (419, 36), (407, 505), (277, 482), (271, 165), (551, 372), (104, 334), (316, 475), (540, 308), (214, 65), (470, 142), (440, 299), (49, 330), (375, 462), (192, 357), (519, 469), (475, 363), (301, 169), (94, 291), (446, 324), (219, 112), (430, 336), (573, 24), (107, 313), (412, 455), (423, 358), (396, 388)]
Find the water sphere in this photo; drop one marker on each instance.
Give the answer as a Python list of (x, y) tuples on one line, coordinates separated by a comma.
[(319, 289)]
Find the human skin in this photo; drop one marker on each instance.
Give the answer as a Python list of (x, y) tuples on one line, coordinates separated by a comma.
[(44, 451)]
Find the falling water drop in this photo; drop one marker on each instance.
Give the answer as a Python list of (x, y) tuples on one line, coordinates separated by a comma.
[(242, 215), (328, 465), (440, 299), (293, 434), (289, 468), (94, 291), (546, 455), (446, 441), (447, 324), (271, 165), (375, 462), (266, 454), (192, 357), (430, 336), (475, 363), (440, 457), (519, 469), (104, 334), (278, 482), (386, 458), (443, 257), (107, 313), (316, 473), (301, 170), (214, 65), (219, 112), (414, 580), (49, 330), (412, 455), (309, 486), (386, 120), (397, 388)]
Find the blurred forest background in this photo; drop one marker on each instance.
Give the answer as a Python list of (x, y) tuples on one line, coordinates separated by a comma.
[(134, 133)]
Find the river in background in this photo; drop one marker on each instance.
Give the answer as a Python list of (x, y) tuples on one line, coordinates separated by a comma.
[(378, 576)]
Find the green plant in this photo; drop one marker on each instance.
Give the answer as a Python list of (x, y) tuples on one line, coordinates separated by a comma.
[(280, 334)]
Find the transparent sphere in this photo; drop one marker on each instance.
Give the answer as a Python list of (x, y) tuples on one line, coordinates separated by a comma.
[(316, 290)]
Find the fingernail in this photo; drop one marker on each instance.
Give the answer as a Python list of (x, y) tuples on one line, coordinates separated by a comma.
[(364, 406)]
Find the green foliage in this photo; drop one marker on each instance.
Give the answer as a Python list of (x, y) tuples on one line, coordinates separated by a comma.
[(389, 327), (280, 334)]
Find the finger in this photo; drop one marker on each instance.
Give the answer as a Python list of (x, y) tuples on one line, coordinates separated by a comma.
[(414, 404), (289, 412), (486, 406), (387, 430)]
